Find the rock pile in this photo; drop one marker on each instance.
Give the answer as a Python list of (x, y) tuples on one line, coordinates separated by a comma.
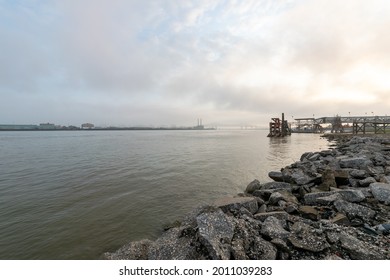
[(333, 204)]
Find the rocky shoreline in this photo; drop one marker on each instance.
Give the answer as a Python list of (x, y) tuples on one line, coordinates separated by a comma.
[(329, 205)]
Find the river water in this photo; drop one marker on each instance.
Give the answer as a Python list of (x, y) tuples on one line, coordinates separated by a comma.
[(77, 194)]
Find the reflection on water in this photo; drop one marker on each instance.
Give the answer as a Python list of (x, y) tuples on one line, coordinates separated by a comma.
[(75, 195), (279, 150)]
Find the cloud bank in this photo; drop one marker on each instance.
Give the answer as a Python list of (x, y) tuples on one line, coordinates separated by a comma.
[(171, 62)]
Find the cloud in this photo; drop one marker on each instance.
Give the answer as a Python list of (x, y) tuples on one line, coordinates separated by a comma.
[(233, 61)]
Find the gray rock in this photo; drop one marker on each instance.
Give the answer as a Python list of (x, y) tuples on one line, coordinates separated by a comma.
[(379, 159), (276, 186), (383, 228), (253, 186), (311, 198), (328, 200), (291, 208), (276, 176), (366, 182), (305, 237), (354, 182), (332, 257), (238, 249), (233, 204), (352, 210), (262, 209), (305, 156), (275, 198), (386, 179), (359, 250), (263, 194), (281, 244), (352, 195), (358, 174), (137, 250), (273, 228), (170, 246), (381, 192), (280, 215), (248, 244), (332, 236), (314, 157), (356, 162), (262, 250), (215, 233), (284, 195), (300, 178), (375, 171)]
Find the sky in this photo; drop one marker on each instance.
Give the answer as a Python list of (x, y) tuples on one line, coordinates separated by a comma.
[(170, 62)]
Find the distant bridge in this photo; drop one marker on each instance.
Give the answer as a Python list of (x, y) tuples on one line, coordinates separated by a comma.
[(354, 124)]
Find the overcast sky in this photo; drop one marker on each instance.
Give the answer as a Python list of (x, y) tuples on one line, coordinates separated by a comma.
[(137, 62)]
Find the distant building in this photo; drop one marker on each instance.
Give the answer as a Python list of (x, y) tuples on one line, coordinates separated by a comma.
[(87, 126), (47, 126)]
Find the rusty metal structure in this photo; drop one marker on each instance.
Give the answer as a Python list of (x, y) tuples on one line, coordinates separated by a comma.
[(279, 127)]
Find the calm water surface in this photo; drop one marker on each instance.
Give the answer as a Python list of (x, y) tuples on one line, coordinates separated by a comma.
[(75, 195)]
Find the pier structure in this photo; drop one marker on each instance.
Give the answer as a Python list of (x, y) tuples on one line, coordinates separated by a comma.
[(279, 127), (354, 124)]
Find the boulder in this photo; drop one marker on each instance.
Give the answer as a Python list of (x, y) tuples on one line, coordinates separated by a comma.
[(359, 250), (385, 179), (312, 198), (355, 162), (263, 194), (273, 228), (300, 177), (275, 198), (137, 250), (276, 176), (314, 157), (215, 233), (379, 159), (172, 246), (375, 171), (358, 174), (366, 182), (284, 195), (261, 250), (253, 186), (306, 238), (234, 204), (280, 215), (276, 186), (247, 243), (352, 210), (381, 192), (352, 195), (326, 198)]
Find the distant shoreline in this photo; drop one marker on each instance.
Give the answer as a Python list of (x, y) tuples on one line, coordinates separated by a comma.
[(111, 129)]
